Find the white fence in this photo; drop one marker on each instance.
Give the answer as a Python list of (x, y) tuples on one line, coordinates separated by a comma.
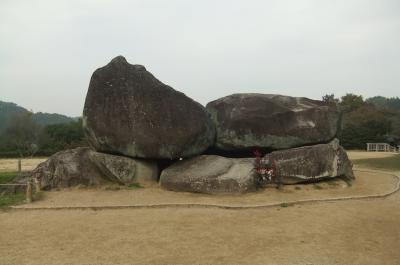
[(381, 147)]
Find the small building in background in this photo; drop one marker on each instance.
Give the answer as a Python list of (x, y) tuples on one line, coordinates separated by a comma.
[(381, 147)]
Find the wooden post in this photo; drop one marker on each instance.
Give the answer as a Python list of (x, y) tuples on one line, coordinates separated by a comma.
[(29, 191), (37, 185), (19, 166)]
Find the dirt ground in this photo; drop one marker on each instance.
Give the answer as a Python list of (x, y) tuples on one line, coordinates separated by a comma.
[(9, 165), (366, 183), (354, 155), (343, 232)]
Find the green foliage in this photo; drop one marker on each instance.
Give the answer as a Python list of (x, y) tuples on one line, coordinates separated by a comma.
[(135, 186), (392, 107), (364, 122), (317, 187), (59, 137), (21, 131), (11, 199), (385, 103), (387, 163), (355, 136), (21, 135), (286, 204), (350, 102), (6, 177), (51, 118), (362, 125), (330, 98)]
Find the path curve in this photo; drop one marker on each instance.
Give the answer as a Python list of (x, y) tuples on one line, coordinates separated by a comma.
[(230, 207)]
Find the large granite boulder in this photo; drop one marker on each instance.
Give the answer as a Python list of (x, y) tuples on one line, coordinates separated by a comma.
[(248, 121), (129, 112), (217, 174), (310, 163), (82, 166), (210, 174)]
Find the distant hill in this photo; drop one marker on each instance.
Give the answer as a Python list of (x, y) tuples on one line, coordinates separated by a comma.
[(51, 118), (9, 109)]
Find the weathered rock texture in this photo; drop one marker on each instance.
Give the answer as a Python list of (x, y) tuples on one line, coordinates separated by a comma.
[(247, 121), (311, 163), (216, 174), (210, 174), (129, 112), (82, 166)]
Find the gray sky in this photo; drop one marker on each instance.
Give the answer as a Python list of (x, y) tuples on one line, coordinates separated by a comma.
[(206, 49)]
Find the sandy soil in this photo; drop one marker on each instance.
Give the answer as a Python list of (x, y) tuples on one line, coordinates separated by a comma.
[(12, 164), (366, 183), (349, 232), (345, 232)]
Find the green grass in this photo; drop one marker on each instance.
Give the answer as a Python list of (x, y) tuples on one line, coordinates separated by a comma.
[(135, 186), (6, 177), (11, 199), (317, 187), (285, 204), (388, 163)]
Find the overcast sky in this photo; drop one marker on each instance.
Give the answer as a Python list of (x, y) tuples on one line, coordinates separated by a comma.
[(206, 48)]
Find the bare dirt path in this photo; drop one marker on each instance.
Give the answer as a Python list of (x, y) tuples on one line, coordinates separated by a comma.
[(344, 232)]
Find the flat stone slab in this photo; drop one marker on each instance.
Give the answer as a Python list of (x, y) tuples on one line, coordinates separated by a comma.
[(210, 174)]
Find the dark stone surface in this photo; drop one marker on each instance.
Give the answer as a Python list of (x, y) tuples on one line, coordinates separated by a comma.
[(249, 121), (210, 174), (129, 112), (311, 163), (82, 166), (216, 174)]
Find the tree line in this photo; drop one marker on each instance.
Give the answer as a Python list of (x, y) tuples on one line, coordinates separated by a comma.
[(24, 137), (375, 119)]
